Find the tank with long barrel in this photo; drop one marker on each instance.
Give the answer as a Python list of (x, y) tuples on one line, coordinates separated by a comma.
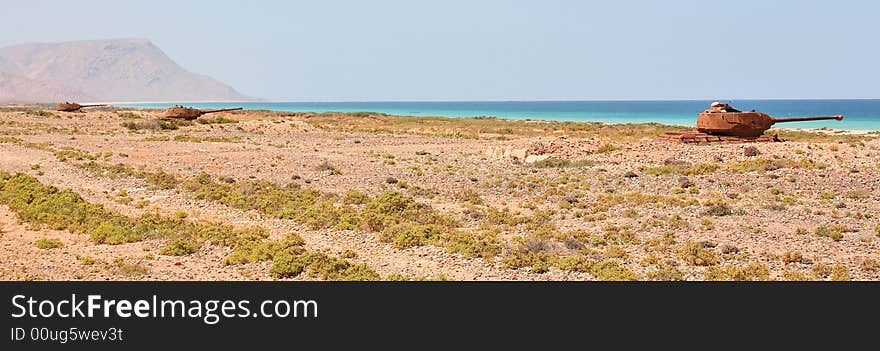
[(189, 113), (73, 107), (721, 119)]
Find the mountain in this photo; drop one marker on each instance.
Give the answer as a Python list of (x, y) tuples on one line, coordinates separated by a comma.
[(102, 70)]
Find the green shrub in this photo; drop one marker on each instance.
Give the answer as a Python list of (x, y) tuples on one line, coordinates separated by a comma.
[(40, 113), (392, 207), (611, 270), (128, 115), (256, 251), (162, 180), (320, 265), (719, 210), (470, 196), (354, 197), (839, 272), (751, 271), (215, 120), (48, 244), (606, 148), (131, 270), (149, 125), (665, 273), (180, 247), (562, 163), (695, 254), (835, 232)]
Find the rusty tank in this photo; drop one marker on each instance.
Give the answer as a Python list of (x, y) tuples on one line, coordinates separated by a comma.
[(189, 113), (721, 119), (73, 107)]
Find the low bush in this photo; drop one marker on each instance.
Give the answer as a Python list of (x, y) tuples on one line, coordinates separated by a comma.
[(180, 247), (751, 271), (149, 125), (695, 254), (48, 244)]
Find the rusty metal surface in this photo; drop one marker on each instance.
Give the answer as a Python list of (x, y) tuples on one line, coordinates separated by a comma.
[(721, 119), (72, 106)]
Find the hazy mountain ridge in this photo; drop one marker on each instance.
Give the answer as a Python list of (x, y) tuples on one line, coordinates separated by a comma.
[(105, 70)]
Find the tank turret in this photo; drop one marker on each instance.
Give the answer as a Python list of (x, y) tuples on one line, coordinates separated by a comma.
[(72, 106), (189, 113), (721, 119)]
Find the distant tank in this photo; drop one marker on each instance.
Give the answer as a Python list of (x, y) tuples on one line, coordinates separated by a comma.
[(72, 106), (721, 119), (189, 113)]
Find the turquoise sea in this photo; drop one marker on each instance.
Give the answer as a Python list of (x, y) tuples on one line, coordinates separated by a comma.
[(859, 114)]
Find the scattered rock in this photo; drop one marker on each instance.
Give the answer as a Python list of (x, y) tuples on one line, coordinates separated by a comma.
[(728, 249), (229, 180), (854, 170), (473, 179), (751, 151), (295, 177), (840, 205), (391, 180), (630, 174), (685, 182), (475, 214)]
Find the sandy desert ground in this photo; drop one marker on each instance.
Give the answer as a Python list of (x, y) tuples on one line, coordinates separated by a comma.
[(268, 195)]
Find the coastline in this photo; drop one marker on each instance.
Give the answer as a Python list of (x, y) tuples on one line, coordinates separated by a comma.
[(135, 106), (860, 114)]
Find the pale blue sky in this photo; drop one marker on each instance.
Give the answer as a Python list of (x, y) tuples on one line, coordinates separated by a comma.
[(490, 50)]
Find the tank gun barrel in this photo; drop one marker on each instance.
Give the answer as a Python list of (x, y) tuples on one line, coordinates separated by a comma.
[(222, 110), (811, 118), (94, 105)]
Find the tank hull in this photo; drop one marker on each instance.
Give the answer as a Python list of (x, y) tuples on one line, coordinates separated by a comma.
[(179, 112), (740, 124), (68, 107), (72, 106)]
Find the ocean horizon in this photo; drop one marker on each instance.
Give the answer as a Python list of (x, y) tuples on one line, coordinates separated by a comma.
[(860, 114)]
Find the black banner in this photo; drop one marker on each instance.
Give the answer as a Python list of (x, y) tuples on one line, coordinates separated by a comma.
[(107, 315)]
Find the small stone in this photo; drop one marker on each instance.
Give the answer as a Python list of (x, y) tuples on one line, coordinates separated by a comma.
[(854, 170), (630, 174), (751, 151), (295, 177), (473, 179), (391, 180), (685, 182), (729, 249), (840, 205)]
